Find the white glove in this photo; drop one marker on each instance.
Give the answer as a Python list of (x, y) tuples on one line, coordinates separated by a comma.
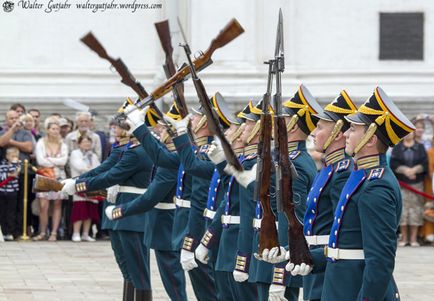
[(69, 187), (277, 293), (240, 276), (136, 118), (187, 260), (216, 153), (299, 269), (272, 256), (245, 177), (109, 212), (180, 125), (201, 253)]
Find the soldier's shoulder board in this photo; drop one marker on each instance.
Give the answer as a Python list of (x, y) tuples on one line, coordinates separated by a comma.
[(204, 149), (294, 154), (376, 173), (250, 157), (343, 165), (133, 145)]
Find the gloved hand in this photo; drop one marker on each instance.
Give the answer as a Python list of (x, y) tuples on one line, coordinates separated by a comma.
[(187, 260), (201, 253), (240, 276), (109, 212), (299, 269), (245, 177), (135, 118), (180, 125), (216, 153), (69, 187), (272, 256), (277, 293)]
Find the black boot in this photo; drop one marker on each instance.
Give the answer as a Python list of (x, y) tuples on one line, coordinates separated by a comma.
[(129, 291), (124, 292), (142, 295)]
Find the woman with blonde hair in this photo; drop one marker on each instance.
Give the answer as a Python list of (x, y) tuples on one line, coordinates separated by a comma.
[(51, 153)]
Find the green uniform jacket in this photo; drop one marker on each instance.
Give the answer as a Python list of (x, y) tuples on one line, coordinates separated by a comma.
[(366, 217)]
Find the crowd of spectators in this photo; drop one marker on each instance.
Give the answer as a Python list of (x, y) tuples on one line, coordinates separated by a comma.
[(58, 147)]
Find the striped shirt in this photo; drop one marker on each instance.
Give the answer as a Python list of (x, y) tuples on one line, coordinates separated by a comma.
[(5, 169)]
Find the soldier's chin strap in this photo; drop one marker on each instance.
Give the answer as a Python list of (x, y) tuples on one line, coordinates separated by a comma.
[(254, 132), (292, 122), (336, 129), (200, 124), (368, 135)]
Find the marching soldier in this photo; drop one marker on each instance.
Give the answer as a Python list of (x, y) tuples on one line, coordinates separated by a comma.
[(158, 202), (201, 280), (324, 194), (198, 165), (132, 173), (360, 255), (227, 219), (118, 148)]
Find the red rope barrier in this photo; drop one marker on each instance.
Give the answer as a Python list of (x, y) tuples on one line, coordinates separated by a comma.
[(412, 189), (6, 181)]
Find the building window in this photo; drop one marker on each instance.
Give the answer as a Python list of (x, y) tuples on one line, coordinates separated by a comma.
[(401, 36)]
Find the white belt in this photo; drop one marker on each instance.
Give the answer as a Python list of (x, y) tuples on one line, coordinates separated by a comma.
[(317, 240), (132, 189), (208, 213), (182, 203), (356, 254), (230, 219), (165, 206), (257, 223)]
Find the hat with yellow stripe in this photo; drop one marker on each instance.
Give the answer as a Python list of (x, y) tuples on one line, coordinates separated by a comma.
[(302, 109), (241, 115), (255, 112), (173, 113), (221, 107), (383, 118), (151, 117)]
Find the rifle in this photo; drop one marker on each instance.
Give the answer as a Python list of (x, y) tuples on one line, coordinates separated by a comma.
[(163, 32), (268, 235), (127, 77), (211, 117), (298, 248), (232, 30), (45, 184)]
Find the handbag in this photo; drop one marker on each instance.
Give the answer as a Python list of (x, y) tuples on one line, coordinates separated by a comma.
[(46, 172)]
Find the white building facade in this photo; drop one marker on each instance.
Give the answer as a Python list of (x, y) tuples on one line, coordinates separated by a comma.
[(329, 46)]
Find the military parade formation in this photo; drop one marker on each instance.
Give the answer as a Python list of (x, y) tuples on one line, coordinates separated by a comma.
[(235, 199)]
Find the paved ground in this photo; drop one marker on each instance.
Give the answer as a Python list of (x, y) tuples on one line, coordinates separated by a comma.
[(87, 271)]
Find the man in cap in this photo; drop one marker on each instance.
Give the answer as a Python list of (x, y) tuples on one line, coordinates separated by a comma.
[(227, 218), (158, 202), (132, 173), (360, 255)]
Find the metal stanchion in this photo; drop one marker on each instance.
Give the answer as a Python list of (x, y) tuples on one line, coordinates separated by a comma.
[(25, 200)]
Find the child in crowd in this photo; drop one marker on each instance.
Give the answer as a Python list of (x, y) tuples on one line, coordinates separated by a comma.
[(9, 171)]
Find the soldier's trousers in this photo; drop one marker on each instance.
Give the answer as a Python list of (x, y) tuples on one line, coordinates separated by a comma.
[(202, 280), (291, 293), (119, 254), (263, 289), (237, 291), (137, 258), (172, 274)]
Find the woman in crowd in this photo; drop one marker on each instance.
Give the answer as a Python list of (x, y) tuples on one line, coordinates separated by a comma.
[(51, 153), (409, 162), (84, 210)]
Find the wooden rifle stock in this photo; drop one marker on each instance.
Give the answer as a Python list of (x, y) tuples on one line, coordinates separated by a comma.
[(163, 32), (232, 30), (268, 235), (45, 184)]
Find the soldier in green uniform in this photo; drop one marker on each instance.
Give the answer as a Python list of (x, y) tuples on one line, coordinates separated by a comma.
[(324, 193), (227, 219), (201, 280), (132, 173), (360, 255), (121, 145), (158, 202), (202, 169)]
